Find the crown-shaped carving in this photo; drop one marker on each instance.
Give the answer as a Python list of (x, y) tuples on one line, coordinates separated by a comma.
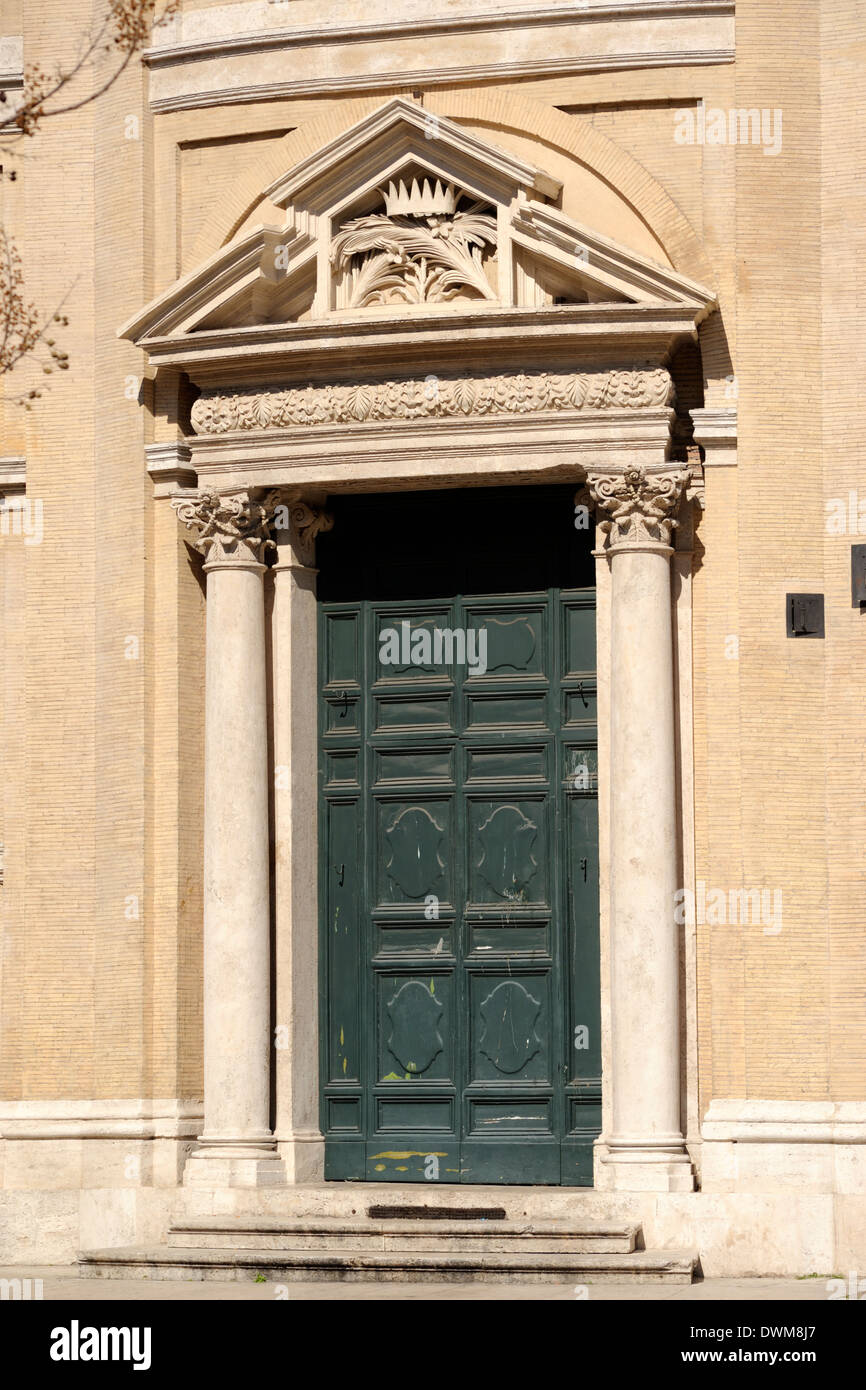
[(420, 199)]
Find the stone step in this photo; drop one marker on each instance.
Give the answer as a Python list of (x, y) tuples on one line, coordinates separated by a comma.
[(287, 1266), (361, 1235), (303, 1200)]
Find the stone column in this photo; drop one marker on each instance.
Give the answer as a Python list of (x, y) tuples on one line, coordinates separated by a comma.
[(645, 1150), (296, 806), (237, 1148)]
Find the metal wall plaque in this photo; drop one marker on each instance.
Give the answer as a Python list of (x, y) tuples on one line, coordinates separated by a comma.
[(805, 615)]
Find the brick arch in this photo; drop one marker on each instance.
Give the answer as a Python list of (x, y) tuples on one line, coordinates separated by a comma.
[(570, 135)]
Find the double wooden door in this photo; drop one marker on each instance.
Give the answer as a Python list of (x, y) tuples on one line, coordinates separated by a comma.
[(460, 1031)]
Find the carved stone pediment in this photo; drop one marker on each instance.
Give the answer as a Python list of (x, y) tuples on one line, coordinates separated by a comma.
[(408, 213)]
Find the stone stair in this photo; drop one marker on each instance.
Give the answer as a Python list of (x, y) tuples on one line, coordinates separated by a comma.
[(416, 1242)]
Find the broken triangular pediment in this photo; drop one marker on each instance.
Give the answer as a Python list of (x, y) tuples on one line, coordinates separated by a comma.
[(408, 212)]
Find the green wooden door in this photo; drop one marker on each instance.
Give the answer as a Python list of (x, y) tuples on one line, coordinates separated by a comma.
[(459, 840)]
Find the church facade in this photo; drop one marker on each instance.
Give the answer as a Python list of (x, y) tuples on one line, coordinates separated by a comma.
[(433, 628)]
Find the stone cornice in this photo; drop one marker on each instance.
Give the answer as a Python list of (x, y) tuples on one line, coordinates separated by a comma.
[(503, 72), (218, 412), (715, 429), (229, 54), (637, 331), (169, 466), (402, 113), (167, 52)]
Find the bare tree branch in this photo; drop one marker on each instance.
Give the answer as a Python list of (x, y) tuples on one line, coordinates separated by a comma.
[(124, 30), (22, 333)]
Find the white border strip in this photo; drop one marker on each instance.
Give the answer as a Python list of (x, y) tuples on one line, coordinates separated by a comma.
[(216, 45), (425, 78), (786, 1121), (100, 1119)]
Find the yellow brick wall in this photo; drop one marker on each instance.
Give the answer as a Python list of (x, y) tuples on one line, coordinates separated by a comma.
[(103, 754), (843, 342), (102, 698)]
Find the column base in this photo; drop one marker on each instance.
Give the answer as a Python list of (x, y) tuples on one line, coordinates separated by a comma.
[(646, 1168), (235, 1165), (303, 1153)]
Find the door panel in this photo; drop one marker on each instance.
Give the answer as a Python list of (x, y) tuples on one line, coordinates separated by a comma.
[(459, 842)]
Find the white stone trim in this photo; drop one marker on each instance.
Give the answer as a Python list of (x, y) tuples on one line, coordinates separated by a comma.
[(169, 466), (100, 1119), (11, 61), (716, 431), (402, 112), (13, 474), (786, 1121), (444, 453), (445, 77), (240, 53), (221, 38)]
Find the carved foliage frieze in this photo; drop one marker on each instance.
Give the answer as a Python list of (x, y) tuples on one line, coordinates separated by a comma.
[(522, 393)]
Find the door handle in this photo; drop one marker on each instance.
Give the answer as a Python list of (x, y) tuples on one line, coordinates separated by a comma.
[(342, 873)]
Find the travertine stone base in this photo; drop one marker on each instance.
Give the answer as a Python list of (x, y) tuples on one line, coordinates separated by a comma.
[(206, 1169)]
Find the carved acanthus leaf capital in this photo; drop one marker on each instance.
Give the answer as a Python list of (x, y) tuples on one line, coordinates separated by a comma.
[(302, 520), (230, 529), (640, 506)]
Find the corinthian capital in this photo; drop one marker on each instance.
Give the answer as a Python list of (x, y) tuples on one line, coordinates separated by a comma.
[(302, 520), (640, 506), (230, 529)]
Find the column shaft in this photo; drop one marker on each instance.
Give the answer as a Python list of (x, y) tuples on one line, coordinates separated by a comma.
[(644, 952), (236, 870), (645, 1149), (237, 1148), (296, 866)]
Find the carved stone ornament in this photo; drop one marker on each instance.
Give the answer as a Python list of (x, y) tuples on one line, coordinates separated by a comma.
[(431, 397), (304, 522), (231, 529), (424, 249), (639, 505)]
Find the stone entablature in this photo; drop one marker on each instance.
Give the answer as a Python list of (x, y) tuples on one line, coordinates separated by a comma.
[(221, 412)]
